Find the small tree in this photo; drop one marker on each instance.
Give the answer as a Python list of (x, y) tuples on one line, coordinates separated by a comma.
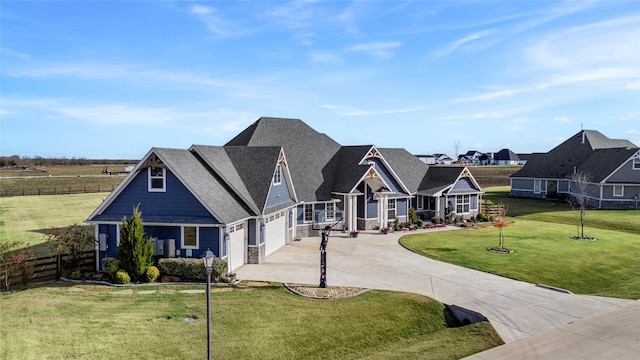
[(135, 253), (72, 241), (500, 223), (578, 201), (413, 217), (449, 214), (11, 259)]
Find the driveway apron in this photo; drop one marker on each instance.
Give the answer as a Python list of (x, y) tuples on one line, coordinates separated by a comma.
[(516, 309)]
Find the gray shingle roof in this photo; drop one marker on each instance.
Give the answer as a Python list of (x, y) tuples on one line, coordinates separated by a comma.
[(312, 156), (603, 162), (349, 172), (408, 167), (561, 161), (439, 178), (207, 188), (506, 155)]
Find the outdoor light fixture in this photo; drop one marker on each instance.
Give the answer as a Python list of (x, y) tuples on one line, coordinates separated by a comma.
[(208, 267)]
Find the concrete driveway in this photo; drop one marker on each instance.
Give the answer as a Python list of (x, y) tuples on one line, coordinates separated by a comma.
[(517, 310)]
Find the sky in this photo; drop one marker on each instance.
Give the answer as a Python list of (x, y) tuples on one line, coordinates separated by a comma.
[(112, 79)]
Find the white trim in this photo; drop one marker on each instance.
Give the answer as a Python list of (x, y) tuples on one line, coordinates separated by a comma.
[(151, 177), (539, 190), (182, 245), (613, 192), (633, 163), (277, 175)]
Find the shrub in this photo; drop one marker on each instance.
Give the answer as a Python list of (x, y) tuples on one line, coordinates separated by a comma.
[(419, 223), (191, 269), (122, 277), (106, 263), (76, 275), (87, 275), (135, 252), (396, 224), (152, 274), (482, 217), (435, 220)]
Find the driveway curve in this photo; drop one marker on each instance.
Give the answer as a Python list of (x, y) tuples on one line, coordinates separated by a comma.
[(516, 309)]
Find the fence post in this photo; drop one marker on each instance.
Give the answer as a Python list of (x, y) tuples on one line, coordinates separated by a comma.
[(58, 266), (25, 273)]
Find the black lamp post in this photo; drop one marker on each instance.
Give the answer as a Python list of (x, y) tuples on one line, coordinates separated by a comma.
[(208, 267)]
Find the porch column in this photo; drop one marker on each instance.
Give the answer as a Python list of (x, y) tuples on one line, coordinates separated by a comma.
[(438, 207), (350, 213)]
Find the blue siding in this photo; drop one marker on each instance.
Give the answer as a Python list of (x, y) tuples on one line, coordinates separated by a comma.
[(165, 232), (112, 239), (177, 201), (372, 209), (300, 218), (464, 184), (401, 207), (386, 175), (209, 239), (279, 194)]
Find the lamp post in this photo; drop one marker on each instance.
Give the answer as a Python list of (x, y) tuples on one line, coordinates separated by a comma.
[(208, 267)]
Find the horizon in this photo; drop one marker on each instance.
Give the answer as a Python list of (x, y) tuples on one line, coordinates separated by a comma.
[(111, 80)]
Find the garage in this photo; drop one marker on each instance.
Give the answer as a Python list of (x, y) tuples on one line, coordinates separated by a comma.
[(275, 232), (237, 246)]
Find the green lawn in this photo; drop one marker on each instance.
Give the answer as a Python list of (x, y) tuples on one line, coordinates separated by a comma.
[(247, 323), (540, 235), (26, 218)]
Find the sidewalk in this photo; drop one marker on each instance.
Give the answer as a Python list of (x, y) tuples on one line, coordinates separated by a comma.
[(517, 310)]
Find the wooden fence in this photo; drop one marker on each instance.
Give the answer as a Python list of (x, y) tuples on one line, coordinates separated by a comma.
[(48, 268), (492, 210), (59, 190)]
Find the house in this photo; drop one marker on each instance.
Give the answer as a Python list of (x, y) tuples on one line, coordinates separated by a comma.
[(427, 159), (443, 159), (474, 157), (612, 166), (506, 157), (276, 181)]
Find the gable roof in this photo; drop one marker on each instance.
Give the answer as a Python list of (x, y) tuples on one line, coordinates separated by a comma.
[(564, 159), (407, 167), (439, 178), (312, 156), (350, 170), (603, 162)]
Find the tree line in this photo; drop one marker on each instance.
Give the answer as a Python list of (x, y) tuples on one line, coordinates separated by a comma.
[(26, 161)]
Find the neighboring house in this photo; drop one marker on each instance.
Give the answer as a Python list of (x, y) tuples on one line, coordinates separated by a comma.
[(276, 181), (443, 159), (474, 157), (427, 159), (613, 168), (506, 157)]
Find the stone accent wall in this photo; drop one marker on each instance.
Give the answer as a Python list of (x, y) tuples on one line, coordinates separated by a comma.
[(303, 231), (528, 194), (255, 254)]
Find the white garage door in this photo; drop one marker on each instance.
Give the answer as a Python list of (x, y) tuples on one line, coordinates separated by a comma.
[(238, 247), (275, 232)]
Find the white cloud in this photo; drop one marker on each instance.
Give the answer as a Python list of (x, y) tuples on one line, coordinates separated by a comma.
[(214, 22), (488, 115), (381, 50), (630, 115), (14, 53), (634, 85), (351, 111), (455, 45), (628, 132), (563, 119), (324, 57)]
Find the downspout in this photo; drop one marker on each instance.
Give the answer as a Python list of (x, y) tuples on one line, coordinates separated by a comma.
[(97, 246)]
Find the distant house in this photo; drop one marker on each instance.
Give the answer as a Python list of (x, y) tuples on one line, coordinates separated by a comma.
[(443, 159), (613, 168), (276, 181), (474, 157), (506, 157), (427, 159)]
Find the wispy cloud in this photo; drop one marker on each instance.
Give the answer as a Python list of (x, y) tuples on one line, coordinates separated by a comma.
[(14, 53), (214, 22), (562, 119), (351, 111), (295, 14), (457, 44), (630, 115), (634, 85), (488, 115), (324, 57), (381, 50)]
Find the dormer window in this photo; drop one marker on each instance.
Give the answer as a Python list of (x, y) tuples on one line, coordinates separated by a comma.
[(277, 176), (157, 179), (636, 164)]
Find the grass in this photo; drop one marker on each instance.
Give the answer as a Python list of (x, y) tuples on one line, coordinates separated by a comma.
[(26, 218), (540, 235), (247, 323)]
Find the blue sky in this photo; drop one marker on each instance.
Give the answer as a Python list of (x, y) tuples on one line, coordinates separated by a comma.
[(111, 79)]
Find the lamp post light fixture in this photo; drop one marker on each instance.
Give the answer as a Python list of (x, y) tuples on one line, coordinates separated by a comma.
[(208, 267)]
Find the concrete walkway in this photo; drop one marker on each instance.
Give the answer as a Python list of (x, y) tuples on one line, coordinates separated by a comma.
[(517, 310)]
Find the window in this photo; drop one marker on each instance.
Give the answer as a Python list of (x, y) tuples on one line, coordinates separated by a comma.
[(420, 202), (308, 212), (330, 211), (277, 176), (391, 208), (157, 177), (189, 237), (432, 203), (537, 186), (636, 164), (618, 190), (462, 204)]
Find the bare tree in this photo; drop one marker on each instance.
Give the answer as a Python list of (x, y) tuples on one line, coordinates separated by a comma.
[(500, 222), (579, 188), (12, 257)]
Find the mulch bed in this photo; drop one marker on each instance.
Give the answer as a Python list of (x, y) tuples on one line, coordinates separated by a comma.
[(330, 292)]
